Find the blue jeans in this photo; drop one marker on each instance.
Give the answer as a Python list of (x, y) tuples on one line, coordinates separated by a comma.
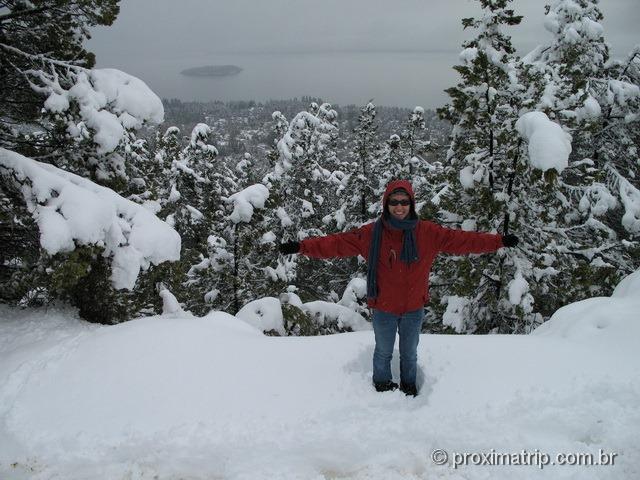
[(385, 326)]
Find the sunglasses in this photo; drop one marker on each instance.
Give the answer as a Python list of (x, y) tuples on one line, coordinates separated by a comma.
[(404, 203)]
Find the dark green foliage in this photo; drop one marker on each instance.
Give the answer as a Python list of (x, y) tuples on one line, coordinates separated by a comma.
[(94, 296), (481, 165), (47, 36), (54, 28), (20, 243), (297, 322), (365, 159)]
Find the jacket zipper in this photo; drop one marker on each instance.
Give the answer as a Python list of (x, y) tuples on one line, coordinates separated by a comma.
[(392, 258)]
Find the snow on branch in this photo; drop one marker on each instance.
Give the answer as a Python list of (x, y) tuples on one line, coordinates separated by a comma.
[(199, 137), (71, 210), (306, 124), (108, 101), (323, 312), (630, 198), (549, 145), (246, 200)]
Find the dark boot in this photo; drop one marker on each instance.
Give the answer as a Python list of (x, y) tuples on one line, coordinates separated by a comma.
[(385, 386), (409, 389)]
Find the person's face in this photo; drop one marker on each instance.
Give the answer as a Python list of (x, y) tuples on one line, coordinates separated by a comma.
[(399, 211)]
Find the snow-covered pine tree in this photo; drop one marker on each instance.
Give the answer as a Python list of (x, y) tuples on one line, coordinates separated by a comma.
[(414, 144), (360, 200), (196, 208), (251, 240), (157, 170), (279, 129), (280, 270), (89, 120), (44, 38), (364, 162), (58, 109), (166, 147), (412, 140), (597, 99), (392, 166), (187, 186), (481, 165), (311, 184)]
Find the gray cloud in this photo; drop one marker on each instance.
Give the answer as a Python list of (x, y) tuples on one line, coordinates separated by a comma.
[(167, 28), (155, 39)]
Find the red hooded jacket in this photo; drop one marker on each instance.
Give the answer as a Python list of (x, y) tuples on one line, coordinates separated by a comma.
[(402, 287)]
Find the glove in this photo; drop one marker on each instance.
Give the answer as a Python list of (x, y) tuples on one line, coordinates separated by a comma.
[(289, 247), (510, 240)]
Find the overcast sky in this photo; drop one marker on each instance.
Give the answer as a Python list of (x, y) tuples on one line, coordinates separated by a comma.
[(164, 28), (411, 46)]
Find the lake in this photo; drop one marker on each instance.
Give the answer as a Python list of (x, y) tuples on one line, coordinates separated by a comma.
[(393, 79)]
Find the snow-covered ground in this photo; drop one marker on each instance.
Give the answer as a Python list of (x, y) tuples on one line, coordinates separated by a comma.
[(180, 397)]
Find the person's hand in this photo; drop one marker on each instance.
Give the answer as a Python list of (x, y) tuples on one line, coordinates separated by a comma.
[(510, 240), (289, 247)]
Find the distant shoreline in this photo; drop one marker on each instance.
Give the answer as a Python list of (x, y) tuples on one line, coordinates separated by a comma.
[(212, 71)]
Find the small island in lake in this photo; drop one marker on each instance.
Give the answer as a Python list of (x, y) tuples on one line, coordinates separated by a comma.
[(212, 71)]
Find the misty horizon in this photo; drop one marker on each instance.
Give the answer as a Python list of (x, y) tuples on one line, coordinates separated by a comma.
[(156, 40)]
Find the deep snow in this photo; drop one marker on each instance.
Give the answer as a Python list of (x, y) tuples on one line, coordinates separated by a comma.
[(175, 396)]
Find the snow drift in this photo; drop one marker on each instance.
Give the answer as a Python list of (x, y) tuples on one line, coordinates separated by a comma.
[(211, 397)]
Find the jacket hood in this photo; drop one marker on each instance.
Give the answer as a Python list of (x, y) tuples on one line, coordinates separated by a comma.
[(391, 186), (394, 185)]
